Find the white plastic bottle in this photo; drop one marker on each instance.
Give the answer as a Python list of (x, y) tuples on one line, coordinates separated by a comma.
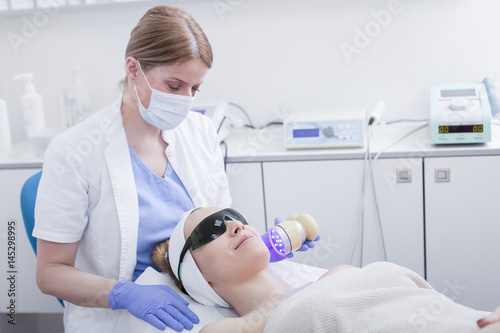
[(5, 139), (34, 119)]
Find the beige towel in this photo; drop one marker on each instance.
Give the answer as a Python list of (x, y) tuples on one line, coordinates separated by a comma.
[(380, 297)]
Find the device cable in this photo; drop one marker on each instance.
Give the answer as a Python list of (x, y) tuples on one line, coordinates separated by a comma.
[(399, 140), (220, 125), (370, 172), (359, 232), (405, 120), (225, 153), (368, 160), (244, 112), (377, 209), (266, 125)]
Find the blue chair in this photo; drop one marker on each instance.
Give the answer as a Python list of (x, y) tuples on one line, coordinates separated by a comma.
[(28, 199)]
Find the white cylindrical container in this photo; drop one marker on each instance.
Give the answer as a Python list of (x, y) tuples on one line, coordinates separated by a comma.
[(5, 139), (34, 119)]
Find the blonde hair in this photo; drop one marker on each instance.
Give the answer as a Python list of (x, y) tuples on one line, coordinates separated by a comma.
[(161, 260), (168, 36)]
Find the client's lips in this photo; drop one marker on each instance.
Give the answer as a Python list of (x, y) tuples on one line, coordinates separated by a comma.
[(243, 239)]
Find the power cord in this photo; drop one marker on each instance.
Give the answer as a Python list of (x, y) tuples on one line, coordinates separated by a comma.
[(249, 125), (225, 154), (368, 160), (405, 120), (266, 125), (360, 230), (250, 122), (220, 125), (244, 112), (375, 196), (361, 226)]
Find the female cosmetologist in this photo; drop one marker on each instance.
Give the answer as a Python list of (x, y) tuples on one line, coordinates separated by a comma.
[(116, 184)]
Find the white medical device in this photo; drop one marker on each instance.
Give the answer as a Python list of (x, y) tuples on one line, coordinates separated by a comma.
[(328, 129), (215, 110), (460, 113)]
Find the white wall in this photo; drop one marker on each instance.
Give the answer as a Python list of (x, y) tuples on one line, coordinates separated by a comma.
[(270, 53)]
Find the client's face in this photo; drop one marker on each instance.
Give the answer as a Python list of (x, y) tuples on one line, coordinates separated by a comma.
[(236, 254)]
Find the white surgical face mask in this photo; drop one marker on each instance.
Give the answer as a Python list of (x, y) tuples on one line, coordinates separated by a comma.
[(166, 111)]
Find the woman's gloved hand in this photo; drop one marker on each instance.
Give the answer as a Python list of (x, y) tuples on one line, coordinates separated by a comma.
[(158, 305), (275, 257)]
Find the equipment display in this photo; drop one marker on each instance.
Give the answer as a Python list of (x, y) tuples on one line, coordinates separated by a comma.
[(290, 234), (460, 113), (329, 129)]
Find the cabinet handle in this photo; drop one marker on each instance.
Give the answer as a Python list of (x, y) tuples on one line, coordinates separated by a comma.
[(442, 175), (403, 175)]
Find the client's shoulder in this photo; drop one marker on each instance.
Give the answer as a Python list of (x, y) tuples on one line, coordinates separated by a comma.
[(223, 325), (335, 270)]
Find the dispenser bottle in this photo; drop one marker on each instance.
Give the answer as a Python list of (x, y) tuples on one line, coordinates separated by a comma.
[(32, 104), (5, 139)]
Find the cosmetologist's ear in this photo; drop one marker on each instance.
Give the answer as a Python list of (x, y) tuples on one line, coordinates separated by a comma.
[(131, 68)]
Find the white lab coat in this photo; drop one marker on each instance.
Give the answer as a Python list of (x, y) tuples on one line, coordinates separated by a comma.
[(87, 194)]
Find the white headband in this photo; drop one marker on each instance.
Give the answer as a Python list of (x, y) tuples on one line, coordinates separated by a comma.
[(192, 279)]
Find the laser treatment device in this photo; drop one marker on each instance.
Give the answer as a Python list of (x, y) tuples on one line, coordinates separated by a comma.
[(215, 110), (328, 129), (460, 113), (290, 234)]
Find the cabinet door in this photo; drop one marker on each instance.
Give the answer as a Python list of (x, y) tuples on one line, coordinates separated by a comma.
[(400, 197), (18, 283), (331, 191), (463, 229), (245, 185)]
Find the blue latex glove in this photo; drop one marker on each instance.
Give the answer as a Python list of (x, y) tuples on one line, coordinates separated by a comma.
[(158, 305), (275, 257), (309, 244)]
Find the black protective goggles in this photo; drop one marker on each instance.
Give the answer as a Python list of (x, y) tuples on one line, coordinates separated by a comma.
[(209, 229)]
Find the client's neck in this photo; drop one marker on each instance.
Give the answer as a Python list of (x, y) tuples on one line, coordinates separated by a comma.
[(262, 291)]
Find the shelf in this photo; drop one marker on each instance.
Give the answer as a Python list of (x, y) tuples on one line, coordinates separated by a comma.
[(77, 7)]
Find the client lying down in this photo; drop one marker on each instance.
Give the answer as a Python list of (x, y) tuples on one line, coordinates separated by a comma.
[(221, 261)]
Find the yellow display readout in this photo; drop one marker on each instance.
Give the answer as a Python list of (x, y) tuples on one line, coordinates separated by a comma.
[(461, 129)]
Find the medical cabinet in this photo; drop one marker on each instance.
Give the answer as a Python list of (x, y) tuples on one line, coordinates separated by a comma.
[(18, 260)]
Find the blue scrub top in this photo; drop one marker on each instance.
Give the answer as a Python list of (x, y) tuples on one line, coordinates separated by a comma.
[(162, 201)]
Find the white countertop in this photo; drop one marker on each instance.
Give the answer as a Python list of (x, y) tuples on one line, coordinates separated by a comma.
[(21, 156), (247, 145), (265, 145)]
